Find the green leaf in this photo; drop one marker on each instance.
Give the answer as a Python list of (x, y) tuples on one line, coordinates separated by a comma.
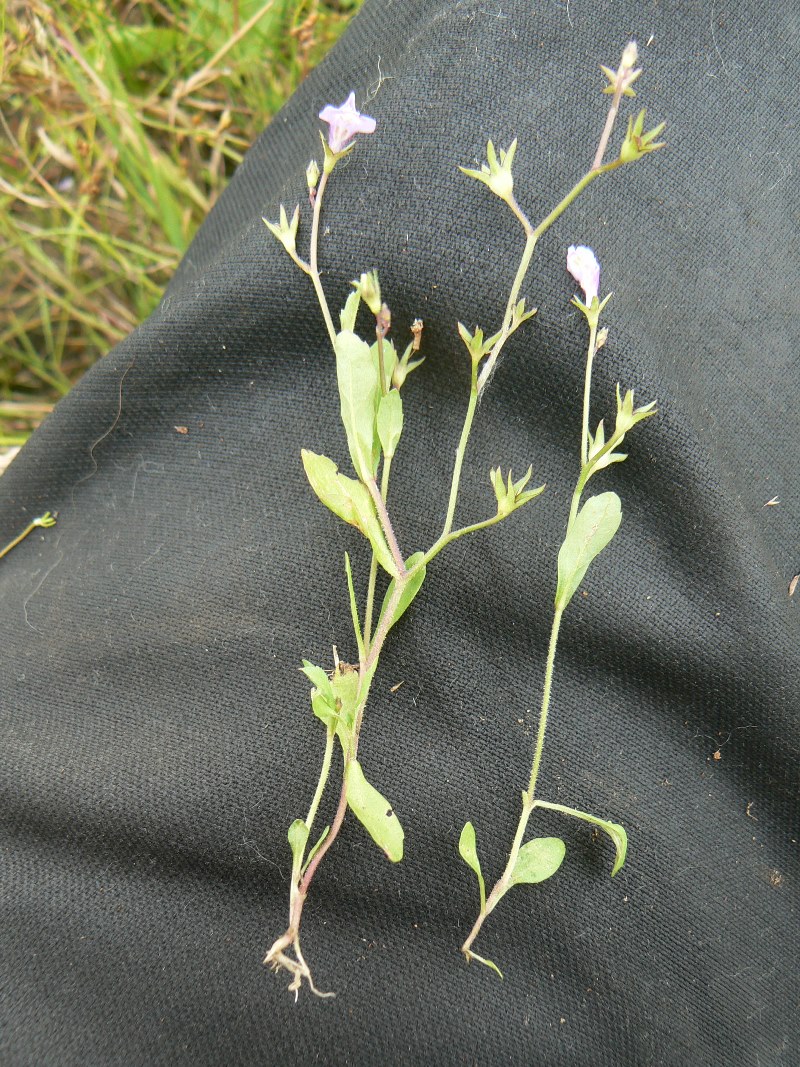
[(345, 685), (315, 849), (594, 526), (325, 709), (347, 316), (390, 422), (375, 813), (334, 700), (389, 360), (613, 829), (298, 836), (318, 678), (354, 606), (468, 850), (330, 486), (350, 500), (482, 959), (538, 860), (358, 395), (620, 838), (410, 591), (369, 524)]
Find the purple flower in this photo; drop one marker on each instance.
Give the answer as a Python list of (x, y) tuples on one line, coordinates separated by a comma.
[(584, 268), (345, 122)]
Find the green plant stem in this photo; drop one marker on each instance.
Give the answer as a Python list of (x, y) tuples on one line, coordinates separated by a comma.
[(587, 388), (369, 607), (21, 537), (323, 778), (528, 797), (528, 803), (548, 684), (460, 452), (386, 524), (379, 335), (314, 259), (508, 317), (574, 192), (532, 236), (367, 670), (446, 539)]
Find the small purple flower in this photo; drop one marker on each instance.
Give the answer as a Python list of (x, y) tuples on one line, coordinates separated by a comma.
[(345, 122), (584, 268)]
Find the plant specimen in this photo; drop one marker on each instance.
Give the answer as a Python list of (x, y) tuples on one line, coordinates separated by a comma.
[(370, 375)]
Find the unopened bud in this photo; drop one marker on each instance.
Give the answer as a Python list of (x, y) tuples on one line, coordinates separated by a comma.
[(629, 56), (602, 337), (312, 174), (370, 291)]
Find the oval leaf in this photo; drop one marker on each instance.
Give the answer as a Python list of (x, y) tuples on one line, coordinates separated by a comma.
[(538, 860), (594, 526), (374, 813), (331, 488), (350, 500), (369, 523), (358, 395), (298, 835), (390, 422), (410, 591), (468, 850)]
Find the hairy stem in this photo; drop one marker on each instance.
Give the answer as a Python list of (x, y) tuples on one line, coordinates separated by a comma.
[(369, 607), (386, 523)]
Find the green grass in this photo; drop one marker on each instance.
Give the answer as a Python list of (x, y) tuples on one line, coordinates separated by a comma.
[(120, 124)]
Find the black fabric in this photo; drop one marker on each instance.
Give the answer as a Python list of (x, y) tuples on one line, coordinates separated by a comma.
[(157, 737)]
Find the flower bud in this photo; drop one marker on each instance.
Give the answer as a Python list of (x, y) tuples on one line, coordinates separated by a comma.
[(370, 291), (312, 175)]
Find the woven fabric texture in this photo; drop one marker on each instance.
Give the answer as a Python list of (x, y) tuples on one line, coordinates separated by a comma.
[(157, 738)]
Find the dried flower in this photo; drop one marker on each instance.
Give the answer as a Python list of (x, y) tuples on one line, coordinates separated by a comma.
[(345, 122)]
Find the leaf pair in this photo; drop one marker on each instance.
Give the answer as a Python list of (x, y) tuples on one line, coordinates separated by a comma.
[(536, 861), (334, 700)]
